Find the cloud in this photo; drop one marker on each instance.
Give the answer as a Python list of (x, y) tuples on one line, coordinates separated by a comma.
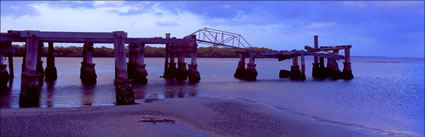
[(318, 25), (107, 3)]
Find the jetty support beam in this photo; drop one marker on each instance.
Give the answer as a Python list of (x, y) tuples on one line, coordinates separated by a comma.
[(295, 70), (39, 62), (302, 65), (347, 74), (193, 72), (4, 75), (87, 71), (31, 78), (124, 91), (50, 71), (251, 73)]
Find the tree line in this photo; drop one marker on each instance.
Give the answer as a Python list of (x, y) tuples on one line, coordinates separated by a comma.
[(74, 51)]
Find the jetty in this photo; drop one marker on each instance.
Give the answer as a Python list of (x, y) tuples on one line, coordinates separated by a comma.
[(33, 73)]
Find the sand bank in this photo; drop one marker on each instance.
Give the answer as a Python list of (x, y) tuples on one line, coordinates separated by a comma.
[(196, 116)]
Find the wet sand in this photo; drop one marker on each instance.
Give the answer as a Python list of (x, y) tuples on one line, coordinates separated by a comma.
[(196, 116)]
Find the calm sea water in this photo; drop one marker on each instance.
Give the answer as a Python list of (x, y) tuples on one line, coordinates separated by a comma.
[(386, 93)]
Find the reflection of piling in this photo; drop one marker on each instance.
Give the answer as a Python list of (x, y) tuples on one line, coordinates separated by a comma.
[(346, 72), (50, 72), (316, 68), (124, 91), (240, 70), (193, 72), (87, 71), (295, 70), (251, 73)]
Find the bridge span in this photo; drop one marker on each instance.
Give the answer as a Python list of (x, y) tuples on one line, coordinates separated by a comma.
[(134, 70)]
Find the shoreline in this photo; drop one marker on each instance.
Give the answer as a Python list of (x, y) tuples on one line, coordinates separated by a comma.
[(194, 116)]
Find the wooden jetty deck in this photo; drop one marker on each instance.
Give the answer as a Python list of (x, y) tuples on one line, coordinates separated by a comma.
[(134, 70)]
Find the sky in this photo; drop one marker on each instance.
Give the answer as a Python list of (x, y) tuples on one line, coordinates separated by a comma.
[(373, 28)]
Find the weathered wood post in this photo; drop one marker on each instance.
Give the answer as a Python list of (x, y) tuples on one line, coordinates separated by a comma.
[(172, 69), (316, 69), (295, 69), (39, 62), (51, 72), (251, 73), (240, 70), (87, 71), (193, 72), (323, 71), (302, 65), (167, 53), (332, 66), (30, 81), (124, 91), (182, 71), (347, 74), (140, 72)]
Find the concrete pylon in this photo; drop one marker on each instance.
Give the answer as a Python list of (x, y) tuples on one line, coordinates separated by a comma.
[(251, 73), (87, 71), (124, 91), (193, 72), (332, 67), (295, 70), (240, 70), (347, 74), (50, 71), (181, 71), (316, 69), (140, 72)]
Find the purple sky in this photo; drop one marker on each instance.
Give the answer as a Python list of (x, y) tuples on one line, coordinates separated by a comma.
[(377, 28)]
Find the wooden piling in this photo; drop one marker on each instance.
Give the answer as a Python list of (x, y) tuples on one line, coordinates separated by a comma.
[(295, 70), (88, 72), (140, 72), (182, 71), (31, 57)]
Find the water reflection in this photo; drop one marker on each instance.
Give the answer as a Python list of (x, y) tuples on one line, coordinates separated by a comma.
[(87, 97), (50, 91), (180, 89)]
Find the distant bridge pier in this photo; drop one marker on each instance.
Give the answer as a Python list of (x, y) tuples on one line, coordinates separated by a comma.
[(316, 69), (139, 70), (240, 70), (87, 71), (193, 72), (295, 70), (182, 71), (124, 91), (332, 66), (251, 73), (50, 71), (347, 74)]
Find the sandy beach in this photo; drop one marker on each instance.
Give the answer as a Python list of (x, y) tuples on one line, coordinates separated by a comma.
[(196, 116)]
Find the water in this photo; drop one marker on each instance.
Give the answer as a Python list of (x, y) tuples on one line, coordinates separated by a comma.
[(386, 93)]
